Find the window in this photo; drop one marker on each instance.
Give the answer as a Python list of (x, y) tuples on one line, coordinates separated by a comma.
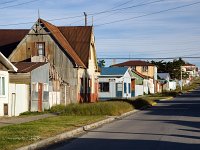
[(145, 68), (133, 68), (2, 86), (40, 48), (129, 87), (125, 89), (104, 87)]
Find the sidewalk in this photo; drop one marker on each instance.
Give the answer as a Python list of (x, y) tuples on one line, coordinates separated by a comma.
[(18, 120)]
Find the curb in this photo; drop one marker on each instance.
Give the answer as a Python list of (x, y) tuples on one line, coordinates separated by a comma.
[(73, 133), (170, 98)]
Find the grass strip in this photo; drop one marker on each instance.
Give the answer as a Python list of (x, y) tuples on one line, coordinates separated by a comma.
[(15, 136)]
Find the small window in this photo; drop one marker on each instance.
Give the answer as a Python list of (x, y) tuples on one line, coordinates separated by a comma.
[(129, 87), (46, 87), (40, 48), (145, 69), (104, 87), (125, 89), (2, 86), (133, 68)]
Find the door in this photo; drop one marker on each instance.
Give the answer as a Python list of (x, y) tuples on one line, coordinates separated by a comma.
[(119, 89), (40, 91), (5, 108), (132, 87)]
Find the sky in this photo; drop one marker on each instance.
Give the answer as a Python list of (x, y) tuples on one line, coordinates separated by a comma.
[(123, 28)]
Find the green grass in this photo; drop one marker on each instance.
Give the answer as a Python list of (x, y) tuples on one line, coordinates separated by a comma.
[(15, 136), (100, 108)]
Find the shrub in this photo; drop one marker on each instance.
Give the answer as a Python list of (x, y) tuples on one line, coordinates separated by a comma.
[(100, 108)]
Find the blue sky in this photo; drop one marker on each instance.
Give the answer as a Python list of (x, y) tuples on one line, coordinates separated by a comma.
[(174, 33)]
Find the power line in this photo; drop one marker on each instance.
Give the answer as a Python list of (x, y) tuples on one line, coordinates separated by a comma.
[(8, 2), (19, 4), (138, 5), (150, 58), (78, 16), (149, 14)]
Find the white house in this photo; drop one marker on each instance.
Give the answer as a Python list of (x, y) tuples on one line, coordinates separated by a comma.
[(115, 82), (167, 83), (5, 67)]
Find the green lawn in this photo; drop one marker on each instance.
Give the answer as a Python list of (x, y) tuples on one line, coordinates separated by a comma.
[(15, 136)]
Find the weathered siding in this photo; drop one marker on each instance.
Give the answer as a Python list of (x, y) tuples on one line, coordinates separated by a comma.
[(54, 54)]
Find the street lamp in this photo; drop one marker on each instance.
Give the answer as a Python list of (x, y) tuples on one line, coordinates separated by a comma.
[(181, 80)]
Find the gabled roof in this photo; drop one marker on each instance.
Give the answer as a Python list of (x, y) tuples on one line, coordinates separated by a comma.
[(7, 63), (63, 42), (10, 38), (113, 71), (141, 75), (25, 67), (133, 63), (79, 38), (192, 65)]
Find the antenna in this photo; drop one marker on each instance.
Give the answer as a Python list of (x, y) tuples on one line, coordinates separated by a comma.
[(85, 14), (92, 20), (38, 13)]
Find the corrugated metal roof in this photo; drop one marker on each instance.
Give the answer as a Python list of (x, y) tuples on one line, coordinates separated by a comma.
[(114, 71), (25, 67), (63, 42), (10, 38), (133, 63), (79, 38)]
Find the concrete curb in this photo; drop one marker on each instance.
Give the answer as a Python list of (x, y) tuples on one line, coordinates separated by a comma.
[(73, 133), (166, 99)]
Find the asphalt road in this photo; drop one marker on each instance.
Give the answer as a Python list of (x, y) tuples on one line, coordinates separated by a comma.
[(171, 125)]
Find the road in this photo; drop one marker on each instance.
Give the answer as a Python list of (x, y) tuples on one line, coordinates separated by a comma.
[(171, 125)]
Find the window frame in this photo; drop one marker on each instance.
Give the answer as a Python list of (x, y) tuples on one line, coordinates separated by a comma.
[(145, 68), (38, 44), (104, 86), (2, 89)]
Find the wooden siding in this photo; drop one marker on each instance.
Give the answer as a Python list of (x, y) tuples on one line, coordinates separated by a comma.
[(20, 78)]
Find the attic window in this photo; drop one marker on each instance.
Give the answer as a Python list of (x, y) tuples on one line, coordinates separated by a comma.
[(40, 48)]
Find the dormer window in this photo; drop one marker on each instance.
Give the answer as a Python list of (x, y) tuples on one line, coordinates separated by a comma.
[(40, 48)]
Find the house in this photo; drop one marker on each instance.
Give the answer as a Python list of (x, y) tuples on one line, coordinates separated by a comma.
[(142, 83), (166, 82), (144, 68), (5, 67), (191, 69), (115, 82), (69, 51)]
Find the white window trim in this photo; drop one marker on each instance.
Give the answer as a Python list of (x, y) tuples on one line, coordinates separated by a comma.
[(3, 76)]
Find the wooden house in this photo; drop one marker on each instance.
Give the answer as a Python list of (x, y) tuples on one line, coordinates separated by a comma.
[(115, 82), (69, 51)]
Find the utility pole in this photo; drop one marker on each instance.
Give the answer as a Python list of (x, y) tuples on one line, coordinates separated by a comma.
[(85, 14), (181, 80)]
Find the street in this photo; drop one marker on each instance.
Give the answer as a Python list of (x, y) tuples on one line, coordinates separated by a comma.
[(171, 125)]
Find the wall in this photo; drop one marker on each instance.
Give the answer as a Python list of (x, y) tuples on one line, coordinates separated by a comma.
[(4, 98), (18, 98), (150, 72), (40, 75), (172, 85), (139, 90)]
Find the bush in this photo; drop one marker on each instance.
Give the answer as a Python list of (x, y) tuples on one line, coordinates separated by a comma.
[(100, 108)]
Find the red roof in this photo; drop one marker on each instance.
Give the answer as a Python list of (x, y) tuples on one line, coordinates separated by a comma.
[(133, 63), (25, 67), (63, 42), (188, 65), (79, 38)]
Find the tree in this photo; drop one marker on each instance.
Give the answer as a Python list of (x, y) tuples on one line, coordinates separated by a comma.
[(101, 63)]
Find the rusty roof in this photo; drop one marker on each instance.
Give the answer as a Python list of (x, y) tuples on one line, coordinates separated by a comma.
[(133, 63), (25, 67), (63, 42), (10, 38), (79, 38)]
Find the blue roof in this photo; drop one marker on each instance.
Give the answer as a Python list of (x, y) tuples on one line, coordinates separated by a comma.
[(113, 70)]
